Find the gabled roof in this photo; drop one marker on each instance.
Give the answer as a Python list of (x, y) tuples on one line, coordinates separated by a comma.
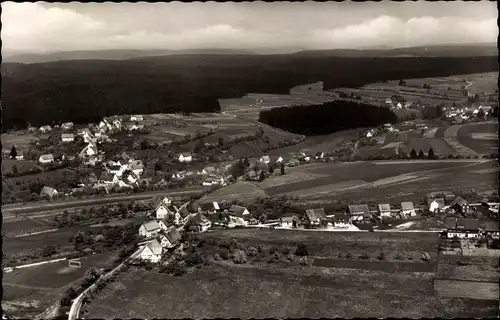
[(460, 201), (384, 207), (208, 206), (185, 154), (155, 247), (151, 225), (439, 201), (467, 224), (316, 214), (341, 217), (48, 156), (237, 210), (48, 191), (359, 208), (197, 219), (407, 206), (67, 135), (265, 158), (173, 235)]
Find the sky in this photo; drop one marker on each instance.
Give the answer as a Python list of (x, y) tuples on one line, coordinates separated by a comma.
[(45, 27)]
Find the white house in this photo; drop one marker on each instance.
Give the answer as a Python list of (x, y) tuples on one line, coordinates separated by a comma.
[(67, 137), (384, 210), (89, 151), (407, 209), (136, 117), (369, 134), (209, 208), (149, 229), (45, 129), (185, 157), (86, 135), (198, 222), (436, 205), (170, 239), (48, 192), (46, 158), (265, 159), (136, 166), (235, 221), (67, 125), (151, 252), (164, 208), (342, 221), (239, 211), (108, 178)]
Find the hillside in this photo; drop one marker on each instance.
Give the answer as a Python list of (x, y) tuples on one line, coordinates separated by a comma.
[(86, 90)]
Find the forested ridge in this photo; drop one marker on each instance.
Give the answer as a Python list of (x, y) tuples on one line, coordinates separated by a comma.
[(326, 118), (84, 91)]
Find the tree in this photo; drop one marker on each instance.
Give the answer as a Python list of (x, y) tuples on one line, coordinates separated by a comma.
[(15, 172), (237, 169), (48, 251), (262, 176), (221, 142), (271, 169), (246, 162), (480, 114), (13, 152), (239, 257), (402, 83), (91, 275), (199, 146), (282, 168), (301, 250), (413, 154), (430, 154), (421, 154)]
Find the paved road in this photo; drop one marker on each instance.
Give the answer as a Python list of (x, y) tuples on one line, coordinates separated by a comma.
[(50, 208)]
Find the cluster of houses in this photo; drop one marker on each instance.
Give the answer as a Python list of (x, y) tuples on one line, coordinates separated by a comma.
[(469, 228), (459, 115), (394, 104)]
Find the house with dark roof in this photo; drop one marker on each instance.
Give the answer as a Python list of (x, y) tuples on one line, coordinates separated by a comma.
[(342, 220), (208, 208), (436, 205), (239, 211), (384, 210), (359, 211), (460, 205), (163, 207), (198, 223), (462, 228), (490, 229), (316, 216), (170, 239), (151, 252), (46, 158)]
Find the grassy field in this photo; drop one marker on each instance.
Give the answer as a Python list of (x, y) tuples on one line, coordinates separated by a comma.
[(21, 141), (285, 289), (485, 269), (241, 190), (472, 136), (29, 291), (22, 165), (23, 226)]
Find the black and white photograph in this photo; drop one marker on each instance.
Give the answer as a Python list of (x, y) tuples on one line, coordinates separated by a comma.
[(250, 160)]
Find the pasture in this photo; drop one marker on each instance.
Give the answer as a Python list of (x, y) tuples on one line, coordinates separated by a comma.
[(23, 226), (23, 166), (241, 190), (479, 137), (285, 289), (19, 139)]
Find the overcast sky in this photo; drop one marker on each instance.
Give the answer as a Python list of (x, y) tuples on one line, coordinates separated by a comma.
[(80, 26)]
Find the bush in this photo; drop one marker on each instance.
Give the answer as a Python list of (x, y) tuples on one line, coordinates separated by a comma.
[(175, 268), (194, 259), (303, 261), (251, 251), (224, 254), (348, 255), (301, 250), (364, 256), (276, 255), (273, 250), (381, 256), (259, 248), (217, 256), (239, 257), (290, 257)]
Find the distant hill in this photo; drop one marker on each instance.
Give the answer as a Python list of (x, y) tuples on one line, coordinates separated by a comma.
[(111, 54), (448, 50)]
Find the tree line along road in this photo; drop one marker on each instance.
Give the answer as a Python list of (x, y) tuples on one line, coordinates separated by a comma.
[(13, 210)]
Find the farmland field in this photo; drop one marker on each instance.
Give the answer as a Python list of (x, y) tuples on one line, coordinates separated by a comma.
[(286, 289), (21, 141), (240, 190), (485, 269), (468, 136), (22, 165), (23, 226), (467, 289)]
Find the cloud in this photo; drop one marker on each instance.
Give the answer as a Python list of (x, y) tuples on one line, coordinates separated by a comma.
[(48, 27), (386, 30)]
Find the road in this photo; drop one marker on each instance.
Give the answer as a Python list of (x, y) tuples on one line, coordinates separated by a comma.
[(52, 208)]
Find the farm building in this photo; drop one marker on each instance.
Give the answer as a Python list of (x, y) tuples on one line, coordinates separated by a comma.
[(46, 158), (319, 155), (462, 228), (67, 137), (342, 220), (185, 157), (407, 209), (265, 159), (150, 252), (290, 222), (45, 129), (436, 205), (239, 211), (136, 166), (67, 125), (236, 221), (460, 205), (164, 207), (208, 208), (86, 134), (197, 222), (359, 211), (316, 216), (149, 229), (293, 163), (48, 192), (208, 170), (384, 210), (90, 179), (108, 178), (170, 239)]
